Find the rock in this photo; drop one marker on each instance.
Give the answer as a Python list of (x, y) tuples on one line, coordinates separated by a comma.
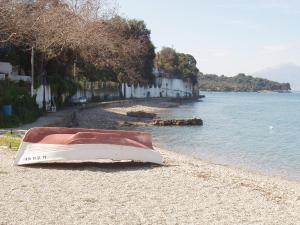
[(130, 124), (141, 114), (180, 122)]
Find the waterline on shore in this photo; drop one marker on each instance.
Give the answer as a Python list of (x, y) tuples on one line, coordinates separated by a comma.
[(237, 132)]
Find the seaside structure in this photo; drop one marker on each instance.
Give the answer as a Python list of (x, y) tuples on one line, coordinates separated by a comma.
[(164, 86)]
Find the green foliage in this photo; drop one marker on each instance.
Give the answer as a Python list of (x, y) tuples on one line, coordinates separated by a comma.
[(9, 121), (11, 141), (63, 84), (241, 83), (167, 61), (148, 64), (60, 76), (188, 67), (93, 73), (24, 107), (177, 65), (14, 135)]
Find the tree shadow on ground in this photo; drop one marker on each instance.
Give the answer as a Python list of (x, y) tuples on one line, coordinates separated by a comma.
[(108, 167)]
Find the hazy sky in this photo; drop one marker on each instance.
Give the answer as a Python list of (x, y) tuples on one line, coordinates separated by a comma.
[(225, 36)]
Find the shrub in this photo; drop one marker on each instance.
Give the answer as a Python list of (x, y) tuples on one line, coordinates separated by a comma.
[(24, 107)]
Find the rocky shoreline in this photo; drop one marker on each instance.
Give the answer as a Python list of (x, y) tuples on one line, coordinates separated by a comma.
[(115, 115)]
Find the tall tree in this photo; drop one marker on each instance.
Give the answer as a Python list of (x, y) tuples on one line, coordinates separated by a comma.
[(188, 67), (177, 65), (62, 31), (167, 61)]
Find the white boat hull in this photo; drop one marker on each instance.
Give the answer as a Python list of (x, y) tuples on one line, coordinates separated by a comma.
[(31, 153)]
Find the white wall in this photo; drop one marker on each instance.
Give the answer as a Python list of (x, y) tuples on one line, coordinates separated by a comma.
[(175, 87), (138, 91), (19, 77), (164, 87), (5, 68), (39, 95), (102, 90)]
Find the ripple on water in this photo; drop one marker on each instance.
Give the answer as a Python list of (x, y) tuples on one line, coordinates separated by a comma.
[(237, 131)]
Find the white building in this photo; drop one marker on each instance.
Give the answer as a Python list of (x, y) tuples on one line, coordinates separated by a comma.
[(7, 71), (11, 72), (163, 87)]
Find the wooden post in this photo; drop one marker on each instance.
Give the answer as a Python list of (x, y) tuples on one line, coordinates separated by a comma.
[(74, 69), (32, 71)]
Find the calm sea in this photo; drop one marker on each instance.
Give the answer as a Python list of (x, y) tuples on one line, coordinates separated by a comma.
[(258, 131)]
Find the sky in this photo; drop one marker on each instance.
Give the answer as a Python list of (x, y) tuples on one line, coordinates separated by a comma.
[(226, 37)]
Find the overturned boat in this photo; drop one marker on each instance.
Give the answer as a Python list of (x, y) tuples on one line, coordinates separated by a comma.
[(54, 144)]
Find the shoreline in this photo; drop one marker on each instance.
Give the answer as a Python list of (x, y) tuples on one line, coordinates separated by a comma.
[(112, 115), (232, 167), (119, 120), (186, 190), (158, 106)]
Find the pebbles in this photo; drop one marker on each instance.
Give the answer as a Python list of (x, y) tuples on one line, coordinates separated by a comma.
[(130, 113), (185, 191)]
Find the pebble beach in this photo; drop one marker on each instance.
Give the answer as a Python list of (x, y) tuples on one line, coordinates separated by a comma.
[(185, 190)]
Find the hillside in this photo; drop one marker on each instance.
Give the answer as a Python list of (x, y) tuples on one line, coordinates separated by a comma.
[(283, 73), (241, 82)]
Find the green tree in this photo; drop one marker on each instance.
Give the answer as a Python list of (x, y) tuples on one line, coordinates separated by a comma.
[(240, 82), (167, 61), (188, 67), (177, 65)]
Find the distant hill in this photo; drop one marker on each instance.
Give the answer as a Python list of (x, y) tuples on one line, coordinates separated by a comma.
[(241, 82), (283, 73)]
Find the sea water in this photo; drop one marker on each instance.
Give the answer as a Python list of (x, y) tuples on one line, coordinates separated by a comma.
[(257, 131)]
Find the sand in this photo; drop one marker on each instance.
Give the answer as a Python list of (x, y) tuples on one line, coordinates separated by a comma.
[(113, 115), (149, 106), (184, 191)]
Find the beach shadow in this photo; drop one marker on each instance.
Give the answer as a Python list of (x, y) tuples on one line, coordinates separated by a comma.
[(108, 167)]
